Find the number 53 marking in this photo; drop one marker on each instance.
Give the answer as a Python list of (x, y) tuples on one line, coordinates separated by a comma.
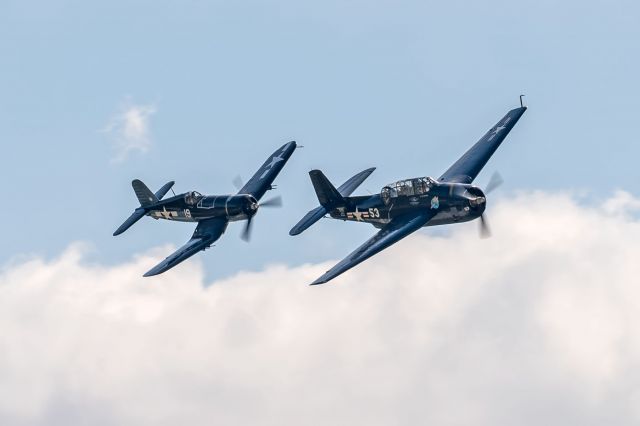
[(374, 213)]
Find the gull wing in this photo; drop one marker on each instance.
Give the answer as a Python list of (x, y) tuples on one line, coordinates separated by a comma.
[(393, 232), (207, 232), (471, 163)]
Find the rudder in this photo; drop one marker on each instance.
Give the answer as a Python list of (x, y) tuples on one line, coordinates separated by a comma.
[(328, 195), (144, 194)]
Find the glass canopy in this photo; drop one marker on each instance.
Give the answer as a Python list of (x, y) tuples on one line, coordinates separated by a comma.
[(408, 187), (192, 197)]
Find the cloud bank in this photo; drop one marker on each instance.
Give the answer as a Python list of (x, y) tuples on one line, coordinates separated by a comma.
[(538, 325), (129, 130)]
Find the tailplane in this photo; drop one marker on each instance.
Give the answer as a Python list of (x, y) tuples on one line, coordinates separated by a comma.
[(147, 199), (329, 196)]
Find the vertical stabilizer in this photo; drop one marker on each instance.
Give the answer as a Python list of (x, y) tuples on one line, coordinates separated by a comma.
[(144, 194)]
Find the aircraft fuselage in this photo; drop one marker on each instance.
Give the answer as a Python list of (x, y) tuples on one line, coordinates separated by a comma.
[(186, 208), (453, 202)]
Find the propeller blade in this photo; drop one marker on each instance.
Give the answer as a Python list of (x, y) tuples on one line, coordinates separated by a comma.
[(238, 182), (272, 202), (485, 232), (246, 233), (495, 181)]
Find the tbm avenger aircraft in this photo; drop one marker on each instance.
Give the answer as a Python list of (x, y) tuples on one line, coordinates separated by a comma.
[(405, 206), (212, 212)]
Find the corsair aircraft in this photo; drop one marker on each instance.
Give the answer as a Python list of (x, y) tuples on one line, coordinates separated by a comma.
[(211, 212)]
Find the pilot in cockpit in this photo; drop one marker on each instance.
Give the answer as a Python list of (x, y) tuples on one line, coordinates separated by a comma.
[(192, 197)]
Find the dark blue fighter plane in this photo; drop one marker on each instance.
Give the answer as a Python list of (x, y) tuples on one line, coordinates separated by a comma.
[(212, 212), (405, 206)]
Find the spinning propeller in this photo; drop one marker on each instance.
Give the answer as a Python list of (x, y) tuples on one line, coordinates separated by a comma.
[(272, 202), (495, 181)]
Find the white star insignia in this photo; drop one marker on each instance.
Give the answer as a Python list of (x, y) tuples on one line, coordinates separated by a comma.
[(166, 214), (358, 215), (274, 161), (497, 130)]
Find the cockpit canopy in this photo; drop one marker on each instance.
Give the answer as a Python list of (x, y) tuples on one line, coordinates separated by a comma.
[(192, 197), (408, 187)]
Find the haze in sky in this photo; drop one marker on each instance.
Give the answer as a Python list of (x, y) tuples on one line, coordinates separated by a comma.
[(536, 325)]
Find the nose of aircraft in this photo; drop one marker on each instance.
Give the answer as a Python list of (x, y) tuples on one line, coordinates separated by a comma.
[(477, 201), (251, 205)]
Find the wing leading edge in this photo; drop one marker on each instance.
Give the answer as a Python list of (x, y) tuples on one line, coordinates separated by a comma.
[(261, 181), (207, 232), (393, 232), (471, 163)]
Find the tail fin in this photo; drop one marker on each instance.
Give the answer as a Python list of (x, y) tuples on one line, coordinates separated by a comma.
[(144, 194), (328, 195), (146, 198), (344, 190)]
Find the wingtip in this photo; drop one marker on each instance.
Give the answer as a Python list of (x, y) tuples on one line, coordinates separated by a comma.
[(322, 280), (156, 270)]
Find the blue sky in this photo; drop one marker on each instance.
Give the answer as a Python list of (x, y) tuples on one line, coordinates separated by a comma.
[(404, 86), (536, 325)]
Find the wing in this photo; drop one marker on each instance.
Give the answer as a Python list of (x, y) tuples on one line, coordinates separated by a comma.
[(471, 163), (264, 177), (393, 232), (207, 232)]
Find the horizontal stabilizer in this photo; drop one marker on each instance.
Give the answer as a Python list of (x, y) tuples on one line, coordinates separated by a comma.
[(163, 191), (136, 216), (344, 190), (144, 194), (309, 219), (354, 182)]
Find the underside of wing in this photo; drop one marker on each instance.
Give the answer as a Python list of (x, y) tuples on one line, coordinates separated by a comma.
[(207, 232), (393, 232), (471, 163)]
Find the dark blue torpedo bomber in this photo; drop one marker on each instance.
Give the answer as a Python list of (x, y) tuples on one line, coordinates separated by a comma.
[(405, 206), (212, 212)]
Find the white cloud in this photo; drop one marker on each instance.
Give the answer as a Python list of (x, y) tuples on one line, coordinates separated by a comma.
[(538, 325), (129, 129)]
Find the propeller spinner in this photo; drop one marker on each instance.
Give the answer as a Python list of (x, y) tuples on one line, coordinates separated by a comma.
[(253, 209)]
